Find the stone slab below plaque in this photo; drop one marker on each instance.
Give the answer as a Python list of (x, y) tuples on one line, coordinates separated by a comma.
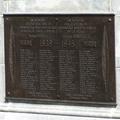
[(60, 59)]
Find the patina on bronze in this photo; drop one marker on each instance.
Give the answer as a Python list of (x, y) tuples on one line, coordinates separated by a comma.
[(60, 59)]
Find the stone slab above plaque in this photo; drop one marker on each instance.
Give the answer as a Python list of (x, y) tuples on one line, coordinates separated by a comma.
[(60, 59)]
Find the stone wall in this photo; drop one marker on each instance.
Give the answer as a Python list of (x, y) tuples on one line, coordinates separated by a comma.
[(50, 112)]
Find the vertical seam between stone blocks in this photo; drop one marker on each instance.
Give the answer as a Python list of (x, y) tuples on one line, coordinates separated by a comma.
[(6, 10), (7, 6), (110, 5)]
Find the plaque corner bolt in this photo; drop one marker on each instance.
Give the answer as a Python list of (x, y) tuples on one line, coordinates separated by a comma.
[(8, 93), (112, 98), (7, 18), (58, 96), (109, 19)]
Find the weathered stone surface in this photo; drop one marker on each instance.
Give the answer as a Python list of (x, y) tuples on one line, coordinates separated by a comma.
[(117, 40), (1, 53), (2, 82), (41, 6), (118, 85), (1, 6), (1, 41), (23, 116), (58, 6), (5, 5), (115, 4)]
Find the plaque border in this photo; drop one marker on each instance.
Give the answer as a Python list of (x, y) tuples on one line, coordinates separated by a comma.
[(64, 102)]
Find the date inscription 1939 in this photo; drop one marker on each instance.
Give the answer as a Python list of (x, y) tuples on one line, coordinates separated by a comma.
[(60, 59)]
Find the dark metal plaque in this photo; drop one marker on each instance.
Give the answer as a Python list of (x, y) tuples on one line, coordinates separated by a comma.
[(60, 59)]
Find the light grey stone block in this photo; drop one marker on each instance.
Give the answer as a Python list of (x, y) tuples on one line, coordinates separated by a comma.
[(115, 6), (1, 6), (117, 40), (117, 62), (2, 82), (5, 6), (40, 6), (1, 41), (2, 116), (23, 116), (1, 53), (118, 85)]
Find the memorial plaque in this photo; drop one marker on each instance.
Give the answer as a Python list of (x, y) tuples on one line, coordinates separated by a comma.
[(60, 59)]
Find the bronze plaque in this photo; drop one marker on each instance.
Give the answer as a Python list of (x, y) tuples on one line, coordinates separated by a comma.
[(60, 59)]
